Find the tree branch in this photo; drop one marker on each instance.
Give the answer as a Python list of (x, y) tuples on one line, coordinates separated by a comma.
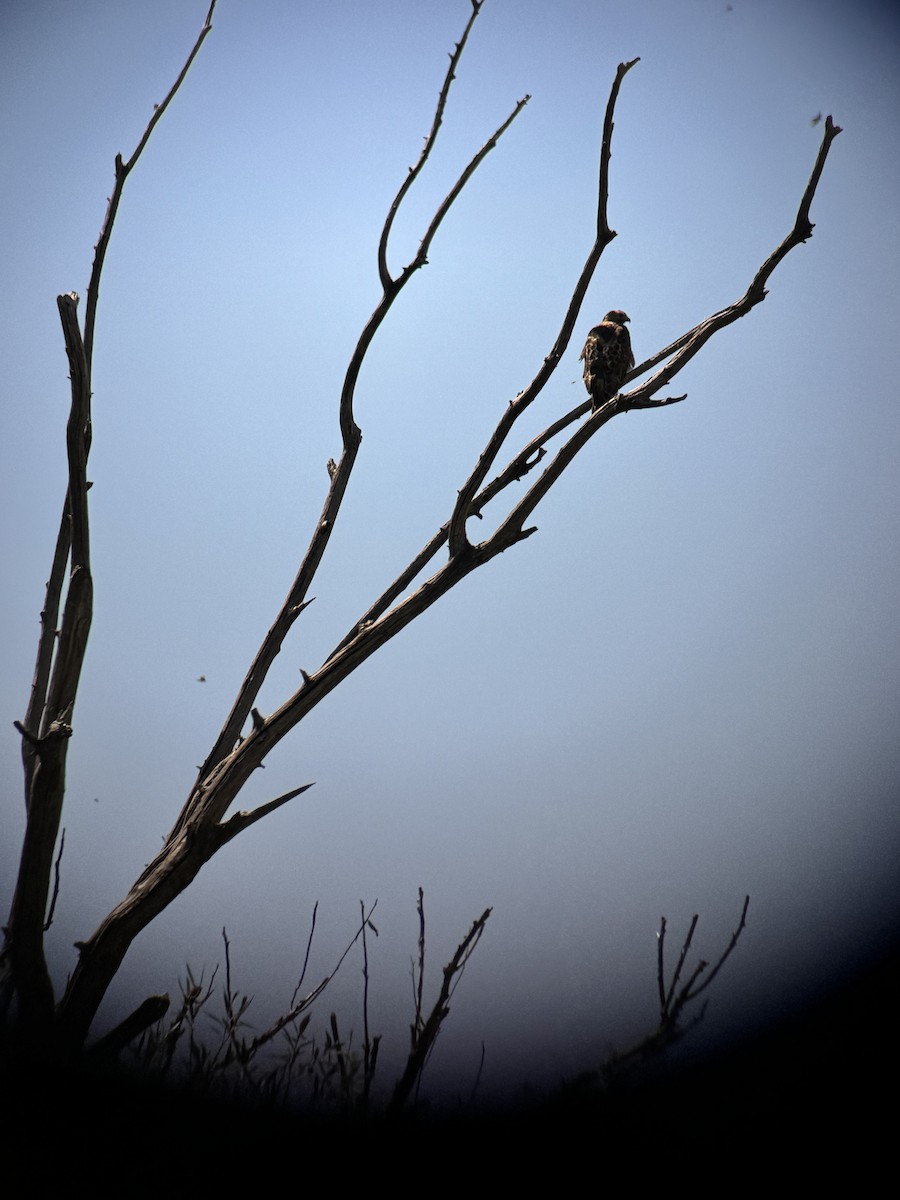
[(243, 820), (687, 346), (123, 170), (384, 274), (457, 534), (151, 1010), (46, 647), (45, 753), (725, 954), (681, 351), (340, 472)]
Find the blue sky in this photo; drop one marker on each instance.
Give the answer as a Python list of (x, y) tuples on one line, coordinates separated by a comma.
[(681, 690)]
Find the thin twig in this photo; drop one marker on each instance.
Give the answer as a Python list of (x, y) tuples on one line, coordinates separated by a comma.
[(676, 975), (727, 951), (367, 1044), (309, 942), (430, 1028), (298, 1007), (660, 964), (478, 1074), (419, 977), (62, 845), (421, 257), (123, 170)]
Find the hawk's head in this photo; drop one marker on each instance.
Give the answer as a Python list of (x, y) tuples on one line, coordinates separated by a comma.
[(617, 317)]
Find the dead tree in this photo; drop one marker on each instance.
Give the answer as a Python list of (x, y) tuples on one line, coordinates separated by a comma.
[(205, 823)]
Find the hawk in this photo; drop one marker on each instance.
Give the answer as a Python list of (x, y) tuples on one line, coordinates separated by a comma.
[(607, 357)]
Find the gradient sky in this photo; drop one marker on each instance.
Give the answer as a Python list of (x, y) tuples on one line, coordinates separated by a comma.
[(682, 689)]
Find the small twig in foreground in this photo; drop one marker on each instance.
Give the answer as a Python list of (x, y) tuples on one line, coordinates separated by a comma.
[(672, 1002), (424, 1034)]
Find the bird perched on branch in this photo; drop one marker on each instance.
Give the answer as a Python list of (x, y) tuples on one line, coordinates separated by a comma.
[(607, 357)]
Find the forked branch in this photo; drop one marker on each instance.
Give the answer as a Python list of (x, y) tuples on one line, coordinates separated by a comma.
[(674, 997), (533, 452), (341, 471), (463, 509), (383, 272), (424, 1031), (48, 726)]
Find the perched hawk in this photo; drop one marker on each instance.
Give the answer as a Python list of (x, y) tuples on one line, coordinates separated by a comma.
[(607, 357)]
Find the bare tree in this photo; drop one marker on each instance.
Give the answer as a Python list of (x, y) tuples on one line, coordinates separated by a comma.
[(247, 736)]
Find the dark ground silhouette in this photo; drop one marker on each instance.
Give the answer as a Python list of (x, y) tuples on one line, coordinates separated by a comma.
[(807, 1098)]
